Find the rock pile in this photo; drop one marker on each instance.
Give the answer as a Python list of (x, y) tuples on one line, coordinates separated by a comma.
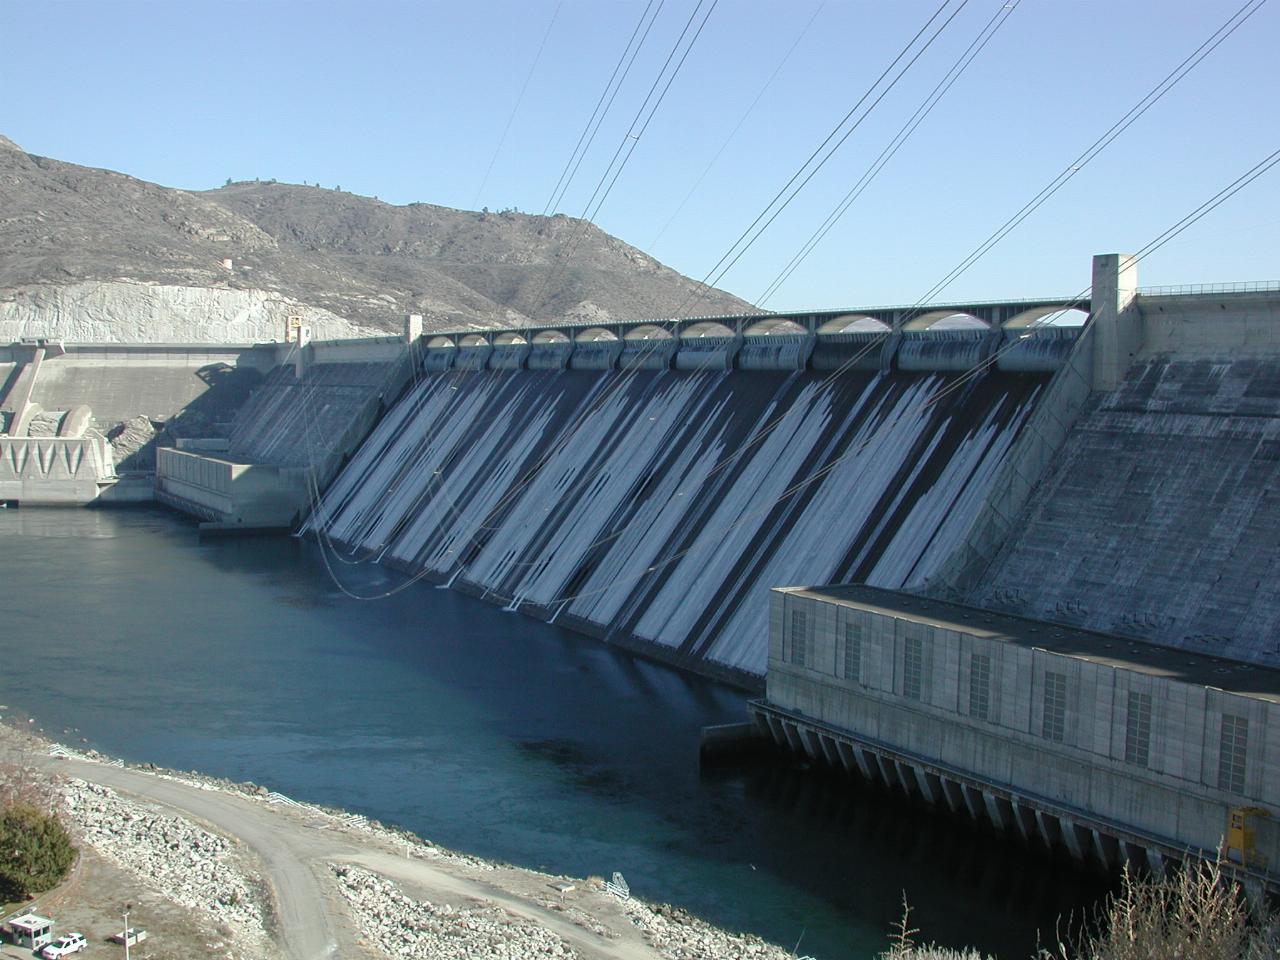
[(190, 866), (679, 935), (400, 926)]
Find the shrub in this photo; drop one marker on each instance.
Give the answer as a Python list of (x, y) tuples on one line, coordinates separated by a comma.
[(1196, 914), (35, 851)]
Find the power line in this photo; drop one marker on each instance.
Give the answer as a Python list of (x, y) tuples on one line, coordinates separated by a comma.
[(922, 112), (738, 126), (589, 132), (519, 100), (707, 282), (1229, 27), (626, 147)]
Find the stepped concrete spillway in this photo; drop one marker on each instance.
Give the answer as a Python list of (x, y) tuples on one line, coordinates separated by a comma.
[(649, 491)]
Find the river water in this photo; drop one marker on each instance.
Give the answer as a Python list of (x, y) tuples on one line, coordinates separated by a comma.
[(484, 731)]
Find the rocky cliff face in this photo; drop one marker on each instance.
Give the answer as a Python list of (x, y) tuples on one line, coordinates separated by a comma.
[(128, 311), (91, 254)]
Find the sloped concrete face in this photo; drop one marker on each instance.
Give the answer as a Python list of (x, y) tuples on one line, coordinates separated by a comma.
[(656, 507), (1158, 518)]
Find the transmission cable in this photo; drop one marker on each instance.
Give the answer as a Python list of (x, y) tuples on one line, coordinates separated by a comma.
[(830, 152), (589, 132), (922, 112), (626, 147), (519, 100), (738, 126)]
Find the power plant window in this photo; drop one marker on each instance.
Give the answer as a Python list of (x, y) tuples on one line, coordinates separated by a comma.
[(799, 636), (1231, 755), (912, 668), (1137, 729), (979, 686), (852, 652), (1055, 707)]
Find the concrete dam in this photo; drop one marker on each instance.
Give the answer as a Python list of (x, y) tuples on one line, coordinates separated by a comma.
[(1021, 572), (654, 507)]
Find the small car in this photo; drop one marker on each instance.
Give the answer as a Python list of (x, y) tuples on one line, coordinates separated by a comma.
[(64, 946)]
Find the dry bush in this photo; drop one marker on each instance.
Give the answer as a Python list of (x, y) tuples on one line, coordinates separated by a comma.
[(1196, 914), (21, 782), (902, 945)]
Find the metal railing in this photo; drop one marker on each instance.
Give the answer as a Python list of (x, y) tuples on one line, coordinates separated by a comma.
[(1242, 286)]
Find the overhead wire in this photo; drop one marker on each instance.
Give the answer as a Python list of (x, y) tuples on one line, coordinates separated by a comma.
[(589, 132), (484, 181), (626, 147), (921, 114), (738, 126), (807, 170)]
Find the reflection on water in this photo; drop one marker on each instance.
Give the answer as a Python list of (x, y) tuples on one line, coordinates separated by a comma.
[(482, 730)]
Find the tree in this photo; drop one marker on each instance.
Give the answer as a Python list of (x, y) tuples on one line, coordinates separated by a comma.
[(35, 851)]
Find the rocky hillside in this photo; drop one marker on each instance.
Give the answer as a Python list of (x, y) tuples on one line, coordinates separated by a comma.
[(67, 229)]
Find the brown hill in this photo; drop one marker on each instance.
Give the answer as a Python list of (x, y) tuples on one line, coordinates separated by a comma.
[(354, 256)]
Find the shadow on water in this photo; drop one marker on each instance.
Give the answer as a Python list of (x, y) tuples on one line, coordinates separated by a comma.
[(480, 729)]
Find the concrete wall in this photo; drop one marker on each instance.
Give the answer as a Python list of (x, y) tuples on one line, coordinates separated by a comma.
[(54, 470), (1173, 800), (158, 381), (227, 493)]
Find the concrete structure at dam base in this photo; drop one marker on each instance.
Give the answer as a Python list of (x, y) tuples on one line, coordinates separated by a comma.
[(1110, 750)]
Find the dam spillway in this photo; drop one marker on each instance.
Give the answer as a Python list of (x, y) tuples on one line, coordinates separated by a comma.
[(655, 508)]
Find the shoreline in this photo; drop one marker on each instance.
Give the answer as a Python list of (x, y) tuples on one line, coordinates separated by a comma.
[(379, 890)]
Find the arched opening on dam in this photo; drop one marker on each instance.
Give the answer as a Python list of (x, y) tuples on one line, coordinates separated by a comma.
[(509, 338), (551, 336), (855, 323), (946, 320), (441, 343), (648, 331), (705, 329), (774, 326), (1051, 316), (595, 335), (474, 340)]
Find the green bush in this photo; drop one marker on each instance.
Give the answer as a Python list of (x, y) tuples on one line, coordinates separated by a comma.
[(35, 851)]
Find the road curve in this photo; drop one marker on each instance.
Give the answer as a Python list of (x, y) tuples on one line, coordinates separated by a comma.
[(293, 852)]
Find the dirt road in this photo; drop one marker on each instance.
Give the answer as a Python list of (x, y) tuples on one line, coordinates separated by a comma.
[(295, 848)]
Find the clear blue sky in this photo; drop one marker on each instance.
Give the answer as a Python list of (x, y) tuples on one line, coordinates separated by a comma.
[(408, 101)]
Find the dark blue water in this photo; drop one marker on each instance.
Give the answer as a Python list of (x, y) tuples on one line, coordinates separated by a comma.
[(481, 730)]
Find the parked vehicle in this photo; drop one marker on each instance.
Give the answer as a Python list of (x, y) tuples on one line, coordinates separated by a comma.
[(64, 946)]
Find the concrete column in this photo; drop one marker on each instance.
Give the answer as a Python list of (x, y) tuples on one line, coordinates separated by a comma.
[(887, 772), (1108, 849), (867, 764), (1075, 838), (972, 801), (954, 795), (849, 758), (1117, 325), (829, 750), (412, 327), (1051, 831), (1025, 819), (1000, 811)]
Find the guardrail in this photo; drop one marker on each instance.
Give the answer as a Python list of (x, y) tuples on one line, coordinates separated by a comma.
[(1242, 286)]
